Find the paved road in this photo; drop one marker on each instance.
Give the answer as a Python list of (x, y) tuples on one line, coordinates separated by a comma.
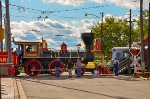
[(87, 87)]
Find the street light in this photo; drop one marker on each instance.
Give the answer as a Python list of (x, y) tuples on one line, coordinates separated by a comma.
[(86, 14)]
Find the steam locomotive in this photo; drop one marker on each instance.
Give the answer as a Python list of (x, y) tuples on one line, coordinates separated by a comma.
[(36, 58)]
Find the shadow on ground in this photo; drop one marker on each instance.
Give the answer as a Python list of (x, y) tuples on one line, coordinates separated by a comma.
[(89, 76), (76, 89)]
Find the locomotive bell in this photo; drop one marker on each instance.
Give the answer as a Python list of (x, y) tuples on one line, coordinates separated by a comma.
[(88, 40)]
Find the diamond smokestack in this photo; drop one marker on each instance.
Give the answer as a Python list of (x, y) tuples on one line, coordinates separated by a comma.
[(88, 40)]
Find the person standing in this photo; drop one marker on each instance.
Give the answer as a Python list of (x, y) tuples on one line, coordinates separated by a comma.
[(70, 66), (78, 64), (29, 48), (58, 67), (116, 67), (19, 53)]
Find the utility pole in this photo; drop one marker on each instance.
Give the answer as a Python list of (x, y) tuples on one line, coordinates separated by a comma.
[(102, 33), (1, 43), (149, 41), (130, 32), (142, 35), (8, 31), (102, 28), (5, 25)]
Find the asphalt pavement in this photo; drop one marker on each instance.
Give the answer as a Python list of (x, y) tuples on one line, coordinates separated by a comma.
[(86, 87)]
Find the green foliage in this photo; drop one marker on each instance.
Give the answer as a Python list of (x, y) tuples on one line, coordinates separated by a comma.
[(115, 33), (97, 59), (145, 24)]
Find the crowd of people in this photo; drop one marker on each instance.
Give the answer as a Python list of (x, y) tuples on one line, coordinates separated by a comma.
[(70, 66), (78, 65)]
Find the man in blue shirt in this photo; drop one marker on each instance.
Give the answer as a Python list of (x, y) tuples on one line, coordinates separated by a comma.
[(19, 53), (58, 67)]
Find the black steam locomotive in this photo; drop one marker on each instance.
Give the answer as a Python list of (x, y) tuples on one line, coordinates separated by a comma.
[(36, 58)]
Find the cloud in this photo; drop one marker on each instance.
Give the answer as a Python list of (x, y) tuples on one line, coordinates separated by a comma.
[(126, 16), (146, 4), (3, 4), (34, 30), (125, 3), (132, 4), (71, 2), (121, 3), (88, 24)]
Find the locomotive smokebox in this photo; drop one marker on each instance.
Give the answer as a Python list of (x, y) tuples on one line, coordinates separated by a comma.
[(88, 40)]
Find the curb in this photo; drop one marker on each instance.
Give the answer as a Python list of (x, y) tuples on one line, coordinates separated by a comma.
[(16, 92), (19, 92)]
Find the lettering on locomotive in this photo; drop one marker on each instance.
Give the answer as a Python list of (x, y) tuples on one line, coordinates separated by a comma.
[(3, 60)]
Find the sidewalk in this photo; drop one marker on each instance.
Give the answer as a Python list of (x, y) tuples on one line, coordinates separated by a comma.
[(7, 88)]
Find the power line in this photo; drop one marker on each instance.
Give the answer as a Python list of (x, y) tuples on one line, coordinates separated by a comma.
[(49, 12), (46, 17), (23, 16), (25, 8)]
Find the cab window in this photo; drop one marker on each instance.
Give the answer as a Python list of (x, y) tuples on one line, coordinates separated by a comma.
[(31, 48)]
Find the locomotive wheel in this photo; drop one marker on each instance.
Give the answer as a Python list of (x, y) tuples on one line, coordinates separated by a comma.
[(33, 67), (52, 67)]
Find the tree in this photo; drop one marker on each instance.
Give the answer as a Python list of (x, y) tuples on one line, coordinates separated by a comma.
[(145, 24), (115, 33)]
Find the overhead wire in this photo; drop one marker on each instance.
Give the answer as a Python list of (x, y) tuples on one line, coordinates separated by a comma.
[(66, 10), (43, 12), (48, 12)]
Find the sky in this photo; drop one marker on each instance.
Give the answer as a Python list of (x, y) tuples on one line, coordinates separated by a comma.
[(32, 19)]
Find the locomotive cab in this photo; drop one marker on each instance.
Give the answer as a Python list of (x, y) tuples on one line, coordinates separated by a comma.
[(30, 49)]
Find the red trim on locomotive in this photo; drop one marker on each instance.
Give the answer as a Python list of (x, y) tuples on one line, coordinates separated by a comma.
[(4, 56)]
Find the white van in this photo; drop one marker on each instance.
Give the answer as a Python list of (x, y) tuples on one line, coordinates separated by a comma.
[(120, 53)]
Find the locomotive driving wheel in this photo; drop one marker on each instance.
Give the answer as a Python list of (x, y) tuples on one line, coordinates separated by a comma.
[(33, 67), (52, 67)]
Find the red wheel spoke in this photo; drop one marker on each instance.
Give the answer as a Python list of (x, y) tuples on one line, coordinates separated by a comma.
[(33, 67), (52, 67)]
